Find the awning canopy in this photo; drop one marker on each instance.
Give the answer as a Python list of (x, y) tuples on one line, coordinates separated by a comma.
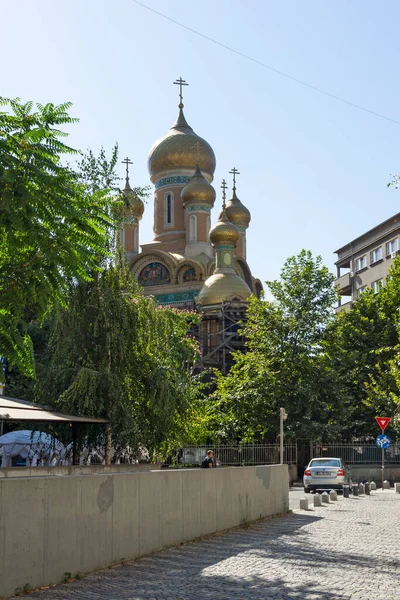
[(12, 409)]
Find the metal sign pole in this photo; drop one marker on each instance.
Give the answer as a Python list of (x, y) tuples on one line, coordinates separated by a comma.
[(383, 441)]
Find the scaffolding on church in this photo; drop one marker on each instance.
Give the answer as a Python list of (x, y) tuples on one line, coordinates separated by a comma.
[(220, 334)]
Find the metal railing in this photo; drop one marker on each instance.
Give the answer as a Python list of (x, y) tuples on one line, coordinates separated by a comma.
[(237, 456), (355, 453)]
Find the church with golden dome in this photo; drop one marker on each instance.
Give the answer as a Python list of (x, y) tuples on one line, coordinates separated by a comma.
[(191, 264)]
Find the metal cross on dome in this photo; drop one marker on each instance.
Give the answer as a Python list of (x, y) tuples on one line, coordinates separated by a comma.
[(234, 172), (181, 82), (223, 186), (127, 161)]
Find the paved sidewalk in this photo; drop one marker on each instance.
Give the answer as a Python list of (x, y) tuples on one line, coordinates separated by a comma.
[(349, 549)]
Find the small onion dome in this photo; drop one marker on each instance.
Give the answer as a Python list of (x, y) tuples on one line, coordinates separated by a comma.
[(224, 230), (223, 286), (198, 190), (177, 149), (132, 202), (237, 212)]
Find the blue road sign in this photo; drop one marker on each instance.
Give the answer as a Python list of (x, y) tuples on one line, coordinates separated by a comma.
[(383, 441)]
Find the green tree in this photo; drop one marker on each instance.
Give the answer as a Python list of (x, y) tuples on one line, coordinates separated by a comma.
[(363, 348), (53, 228), (116, 354), (285, 363)]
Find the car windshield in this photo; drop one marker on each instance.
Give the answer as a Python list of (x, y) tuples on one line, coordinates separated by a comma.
[(325, 462)]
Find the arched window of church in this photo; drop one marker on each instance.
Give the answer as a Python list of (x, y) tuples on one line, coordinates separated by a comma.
[(208, 225), (136, 239), (193, 228), (168, 209)]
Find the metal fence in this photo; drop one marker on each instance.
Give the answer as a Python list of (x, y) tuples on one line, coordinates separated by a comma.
[(237, 456), (352, 453), (355, 453)]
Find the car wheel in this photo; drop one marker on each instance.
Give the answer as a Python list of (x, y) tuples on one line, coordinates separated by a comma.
[(307, 490)]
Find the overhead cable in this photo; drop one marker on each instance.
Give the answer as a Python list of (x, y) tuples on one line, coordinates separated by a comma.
[(273, 69)]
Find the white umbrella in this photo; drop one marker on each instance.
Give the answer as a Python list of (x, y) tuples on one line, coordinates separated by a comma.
[(26, 443)]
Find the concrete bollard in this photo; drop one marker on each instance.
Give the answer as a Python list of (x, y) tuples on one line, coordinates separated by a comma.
[(372, 486), (361, 489), (346, 491), (325, 498), (317, 500), (333, 496), (354, 489), (303, 503), (397, 488), (367, 489), (386, 485)]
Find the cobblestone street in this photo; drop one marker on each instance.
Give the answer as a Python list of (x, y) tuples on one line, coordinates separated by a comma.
[(349, 549)]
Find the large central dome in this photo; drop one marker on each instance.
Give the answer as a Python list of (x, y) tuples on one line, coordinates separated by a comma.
[(181, 148)]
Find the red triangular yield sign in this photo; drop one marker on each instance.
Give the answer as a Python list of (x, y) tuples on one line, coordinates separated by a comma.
[(383, 422)]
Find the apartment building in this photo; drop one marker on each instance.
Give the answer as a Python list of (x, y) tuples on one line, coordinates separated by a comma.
[(365, 261)]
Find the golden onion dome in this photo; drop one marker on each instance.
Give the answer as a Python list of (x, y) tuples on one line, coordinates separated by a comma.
[(198, 190), (134, 205), (181, 148), (237, 212), (224, 230), (223, 286)]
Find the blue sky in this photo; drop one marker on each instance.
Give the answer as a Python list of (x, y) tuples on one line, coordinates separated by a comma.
[(313, 170)]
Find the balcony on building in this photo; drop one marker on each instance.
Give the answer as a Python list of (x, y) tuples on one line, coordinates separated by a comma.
[(344, 277), (343, 283), (344, 306)]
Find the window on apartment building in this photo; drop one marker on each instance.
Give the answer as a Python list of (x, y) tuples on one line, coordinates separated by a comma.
[(376, 285), (361, 290), (392, 246), (361, 262), (376, 255)]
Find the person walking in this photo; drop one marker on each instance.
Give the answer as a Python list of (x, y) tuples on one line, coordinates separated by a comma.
[(208, 462)]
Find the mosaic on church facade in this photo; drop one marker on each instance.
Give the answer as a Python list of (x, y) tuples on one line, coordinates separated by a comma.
[(190, 275), (198, 208), (177, 297), (172, 180), (154, 274)]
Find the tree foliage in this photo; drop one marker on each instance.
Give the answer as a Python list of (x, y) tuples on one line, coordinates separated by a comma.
[(53, 228), (363, 345), (285, 363), (115, 354), (333, 373)]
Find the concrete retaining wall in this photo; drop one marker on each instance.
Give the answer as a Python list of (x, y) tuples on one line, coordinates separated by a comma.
[(374, 473), (75, 470), (50, 526)]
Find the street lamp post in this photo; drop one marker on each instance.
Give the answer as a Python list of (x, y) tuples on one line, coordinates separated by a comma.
[(283, 416)]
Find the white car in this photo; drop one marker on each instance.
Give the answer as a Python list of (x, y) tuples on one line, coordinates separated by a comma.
[(326, 474)]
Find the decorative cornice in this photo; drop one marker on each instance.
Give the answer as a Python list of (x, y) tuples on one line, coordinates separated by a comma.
[(198, 208), (182, 231), (172, 180), (130, 220), (223, 246)]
